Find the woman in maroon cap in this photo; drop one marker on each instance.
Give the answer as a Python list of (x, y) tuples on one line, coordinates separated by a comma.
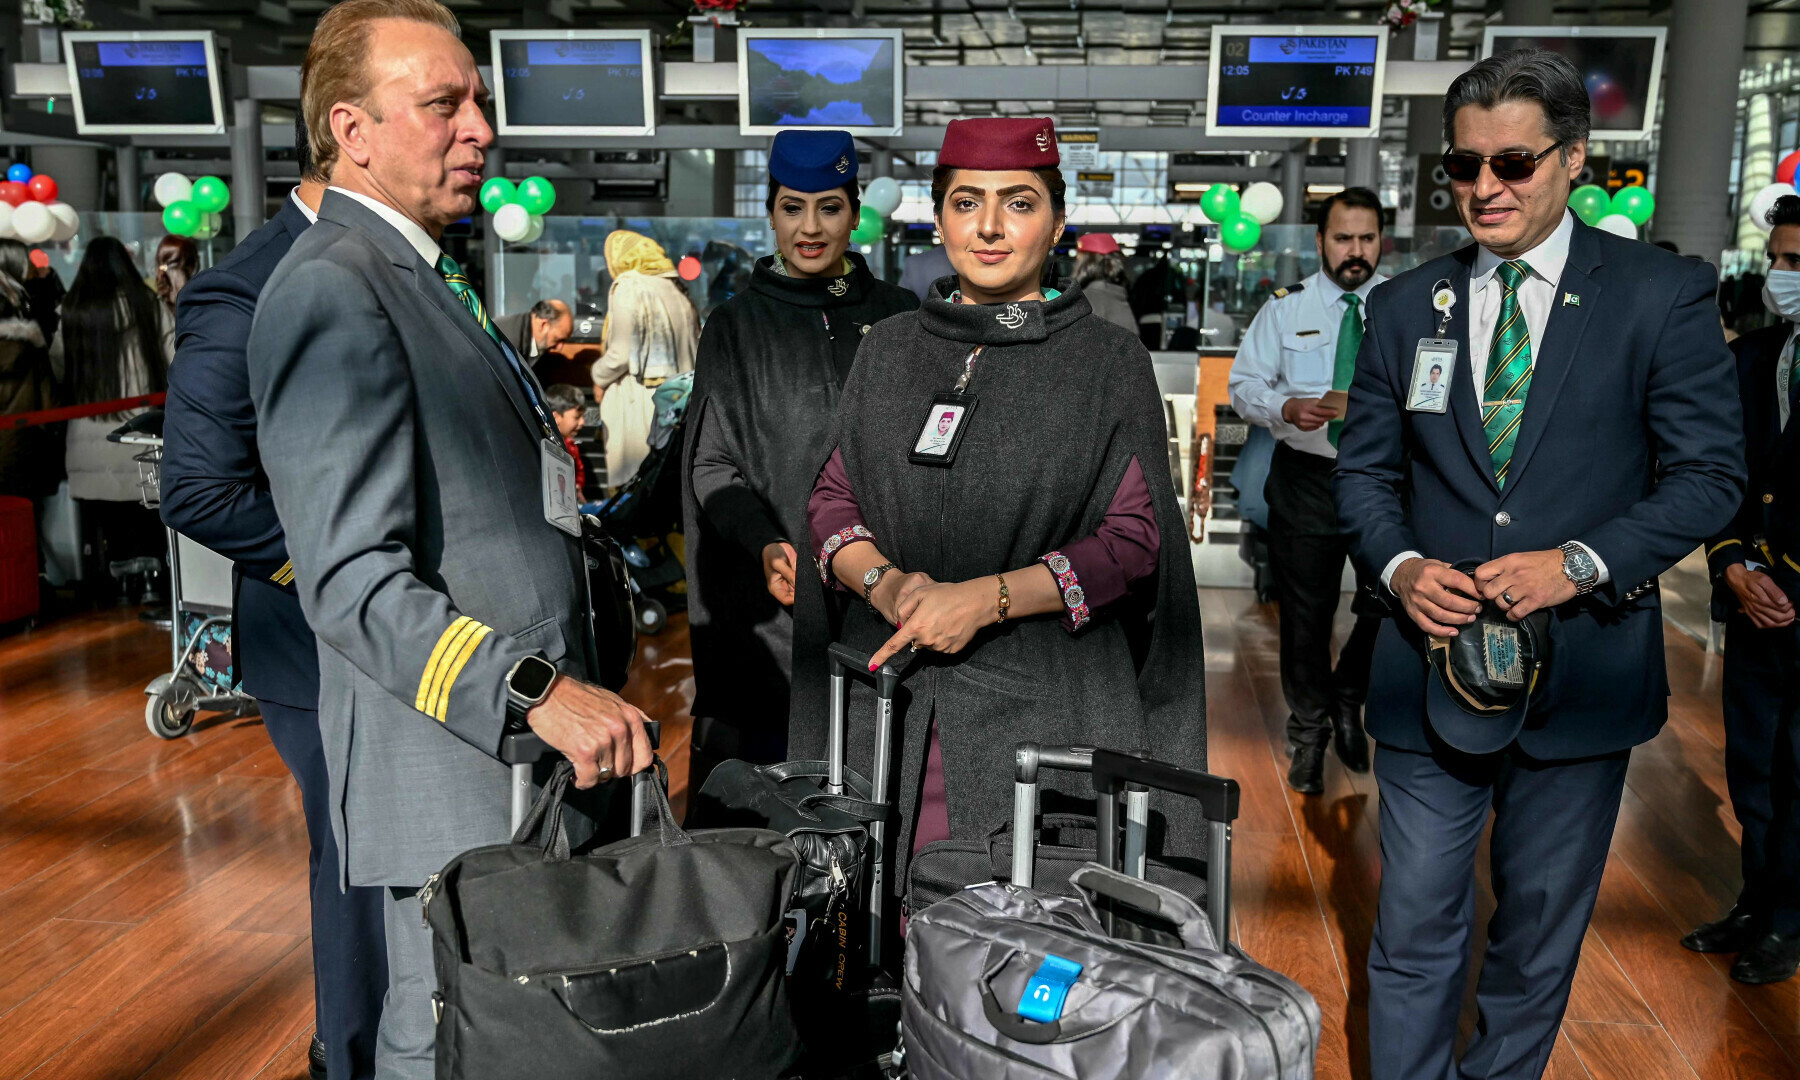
[(1033, 555), (1100, 272)]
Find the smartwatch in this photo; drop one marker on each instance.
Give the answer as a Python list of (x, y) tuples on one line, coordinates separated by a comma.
[(528, 684)]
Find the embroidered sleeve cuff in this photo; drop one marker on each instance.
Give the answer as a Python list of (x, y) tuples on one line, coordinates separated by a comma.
[(836, 542), (1073, 596)]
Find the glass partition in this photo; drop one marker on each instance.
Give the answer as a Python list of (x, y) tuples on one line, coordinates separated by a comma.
[(140, 234)]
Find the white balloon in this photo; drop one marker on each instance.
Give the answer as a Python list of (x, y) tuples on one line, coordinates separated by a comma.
[(172, 187), (1262, 201), (512, 222), (68, 222), (33, 222), (536, 230), (1762, 201), (883, 194), (6, 221), (1618, 225)]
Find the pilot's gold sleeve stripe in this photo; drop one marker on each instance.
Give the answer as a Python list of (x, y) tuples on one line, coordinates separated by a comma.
[(443, 701), (443, 669), (437, 656), (1789, 559), (1720, 546), (286, 579), (283, 575)]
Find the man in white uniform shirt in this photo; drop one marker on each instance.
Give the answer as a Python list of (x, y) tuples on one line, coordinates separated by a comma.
[(1300, 347)]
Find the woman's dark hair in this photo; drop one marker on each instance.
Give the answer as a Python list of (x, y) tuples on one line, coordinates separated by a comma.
[(174, 253), (850, 190), (15, 260), (107, 306), (1538, 75), (1052, 178), (1360, 197), (1092, 266)]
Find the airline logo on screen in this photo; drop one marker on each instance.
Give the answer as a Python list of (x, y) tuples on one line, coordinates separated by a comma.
[(153, 54)]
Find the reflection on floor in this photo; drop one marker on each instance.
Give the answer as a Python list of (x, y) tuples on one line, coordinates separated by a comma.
[(155, 923)]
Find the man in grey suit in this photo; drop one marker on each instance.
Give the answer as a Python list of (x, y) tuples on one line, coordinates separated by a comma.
[(410, 454)]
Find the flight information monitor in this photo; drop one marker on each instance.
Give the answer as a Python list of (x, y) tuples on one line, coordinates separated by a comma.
[(144, 82), (1621, 66), (1296, 81), (574, 82), (848, 79)]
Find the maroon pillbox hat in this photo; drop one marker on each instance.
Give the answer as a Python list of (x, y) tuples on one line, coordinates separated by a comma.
[(1000, 144)]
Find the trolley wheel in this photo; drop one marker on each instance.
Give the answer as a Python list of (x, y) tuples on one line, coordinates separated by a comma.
[(165, 719), (652, 617)]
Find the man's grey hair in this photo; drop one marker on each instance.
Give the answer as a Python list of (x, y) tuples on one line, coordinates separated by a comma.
[(547, 310), (1539, 75)]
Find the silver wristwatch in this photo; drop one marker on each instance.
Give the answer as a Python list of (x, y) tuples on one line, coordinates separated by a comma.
[(1578, 567)]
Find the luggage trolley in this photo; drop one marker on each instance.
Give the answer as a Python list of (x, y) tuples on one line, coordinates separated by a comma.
[(202, 663)]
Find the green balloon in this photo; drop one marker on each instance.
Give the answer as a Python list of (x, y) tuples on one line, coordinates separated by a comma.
[(181, 218), (1590, 203), (1239, 232), (1220, 202), (1635, 202), (536, 195), (497, 192), (869, 227), (210, 195)]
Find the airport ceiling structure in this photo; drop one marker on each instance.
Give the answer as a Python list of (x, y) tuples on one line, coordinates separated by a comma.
[(944, 32)]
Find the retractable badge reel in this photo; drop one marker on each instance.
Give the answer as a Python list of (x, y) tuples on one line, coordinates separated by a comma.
[(942, 433), (1434, 360)]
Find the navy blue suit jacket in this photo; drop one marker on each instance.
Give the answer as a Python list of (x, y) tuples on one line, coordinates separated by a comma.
[(213, 486), (1766, 528), (1640, 457)]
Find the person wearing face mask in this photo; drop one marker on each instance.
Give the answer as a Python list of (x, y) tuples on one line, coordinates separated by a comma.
[(767, 375), (1755, 564), (1588, 439), (1034, 569), (1301, 347)]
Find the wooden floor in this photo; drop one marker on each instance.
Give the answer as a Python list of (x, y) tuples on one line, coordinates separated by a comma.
[(153, 919)]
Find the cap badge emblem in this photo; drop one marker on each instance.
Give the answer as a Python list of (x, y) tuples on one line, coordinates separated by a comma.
[(838, 287), (843, 165), (1012, 318), (1043, 141)]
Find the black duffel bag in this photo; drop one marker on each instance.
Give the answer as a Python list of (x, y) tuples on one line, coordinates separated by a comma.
[(656, 957)]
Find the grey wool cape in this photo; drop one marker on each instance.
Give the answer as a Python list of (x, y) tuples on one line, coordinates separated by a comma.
[(766, 380), (1065, 401)]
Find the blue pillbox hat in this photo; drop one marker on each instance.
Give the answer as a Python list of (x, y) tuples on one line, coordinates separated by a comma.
[(812, 161)]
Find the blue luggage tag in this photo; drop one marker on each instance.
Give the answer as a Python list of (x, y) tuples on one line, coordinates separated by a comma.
[(1046, 990)]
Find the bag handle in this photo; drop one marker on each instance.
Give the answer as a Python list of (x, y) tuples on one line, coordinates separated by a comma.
[(1095, 882), (543, 825)]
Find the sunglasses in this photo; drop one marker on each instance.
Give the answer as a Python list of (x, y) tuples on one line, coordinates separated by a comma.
[(1510, 167)]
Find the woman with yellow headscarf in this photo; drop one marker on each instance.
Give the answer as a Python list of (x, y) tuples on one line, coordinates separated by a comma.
[(651, 333)]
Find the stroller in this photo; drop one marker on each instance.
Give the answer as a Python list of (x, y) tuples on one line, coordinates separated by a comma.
[(645, 514), (202, 670)]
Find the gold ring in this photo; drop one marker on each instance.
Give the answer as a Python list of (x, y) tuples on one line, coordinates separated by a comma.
[(606, 772)]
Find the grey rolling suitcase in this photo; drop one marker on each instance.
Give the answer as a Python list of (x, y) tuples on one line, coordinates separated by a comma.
[(1126, 980)]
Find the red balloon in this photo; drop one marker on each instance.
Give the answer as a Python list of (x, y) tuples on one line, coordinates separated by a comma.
[(688, 268), (42, 188), (39, 259), (1784, 172), (11, 191)]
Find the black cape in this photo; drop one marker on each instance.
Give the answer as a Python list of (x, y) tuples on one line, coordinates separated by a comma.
[(767, 377), (1065, 401)]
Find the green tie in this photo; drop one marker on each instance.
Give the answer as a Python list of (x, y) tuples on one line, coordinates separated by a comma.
[(459, 284), (1350, 335), (1509, 372)]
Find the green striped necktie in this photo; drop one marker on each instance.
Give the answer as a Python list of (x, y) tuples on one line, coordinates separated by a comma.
[(1509, 371), (1349, 340), (464, 291)]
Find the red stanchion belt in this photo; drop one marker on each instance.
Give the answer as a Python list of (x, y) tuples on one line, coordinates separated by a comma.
[(76, 412)]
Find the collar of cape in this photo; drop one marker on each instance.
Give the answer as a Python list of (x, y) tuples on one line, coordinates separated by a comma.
[(1017, 323), (845, 288)]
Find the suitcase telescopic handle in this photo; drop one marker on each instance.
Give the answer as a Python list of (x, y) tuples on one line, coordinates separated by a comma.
[(523, 749), (887, 684), (1114, 772)]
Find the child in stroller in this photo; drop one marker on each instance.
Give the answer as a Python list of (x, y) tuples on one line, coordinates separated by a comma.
[(645, 514)]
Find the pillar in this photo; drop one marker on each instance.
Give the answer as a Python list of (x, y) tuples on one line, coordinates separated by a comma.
[(249, 192), (1293, 185), (126, 164), (1693, 200), (494, 287), (1425, 113), (76, 170), (881, 163), (1758, 169), (1362, 163)]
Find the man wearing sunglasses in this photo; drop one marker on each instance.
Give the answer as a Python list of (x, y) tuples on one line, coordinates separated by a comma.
[(1590, 439)]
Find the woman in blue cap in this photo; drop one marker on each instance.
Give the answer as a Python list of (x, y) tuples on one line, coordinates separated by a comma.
[(771, 363)]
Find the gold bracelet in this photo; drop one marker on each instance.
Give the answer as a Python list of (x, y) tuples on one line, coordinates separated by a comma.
[(1005, 597)]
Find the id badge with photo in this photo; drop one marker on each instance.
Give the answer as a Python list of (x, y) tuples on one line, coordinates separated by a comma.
[(942, 432), (1434, 368), (562, 503)]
